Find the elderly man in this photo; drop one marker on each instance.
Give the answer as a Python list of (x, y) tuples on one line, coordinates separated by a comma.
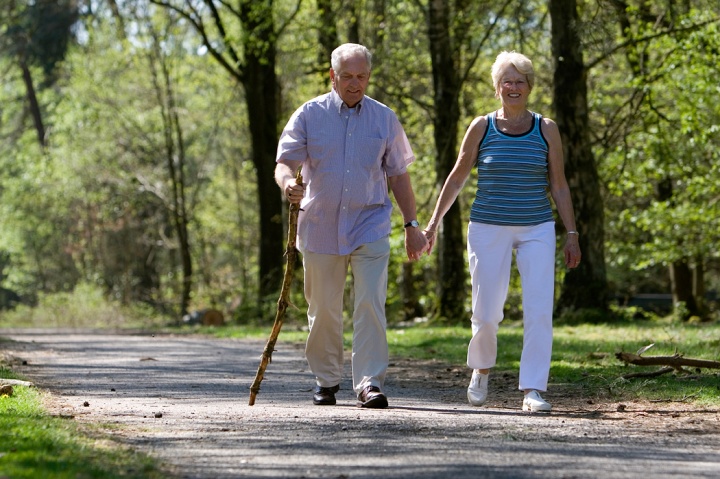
[(350, 148)]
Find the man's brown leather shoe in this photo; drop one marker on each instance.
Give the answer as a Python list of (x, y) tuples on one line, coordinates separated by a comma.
[(325, 396), (371, 397)]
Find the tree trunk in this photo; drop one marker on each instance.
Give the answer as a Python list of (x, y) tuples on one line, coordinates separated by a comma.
[(261, 93), (699, 284), (354, 22), (33, 103), (681, 280), (327, 35), (585, 286), (452, 271), (175, 161), (409, 293), (682, 283)]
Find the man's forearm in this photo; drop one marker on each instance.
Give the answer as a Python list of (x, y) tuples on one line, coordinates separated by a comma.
[(283, 173), (404, 196)]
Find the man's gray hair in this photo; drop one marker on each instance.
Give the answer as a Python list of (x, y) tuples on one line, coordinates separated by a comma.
[(347, 50)]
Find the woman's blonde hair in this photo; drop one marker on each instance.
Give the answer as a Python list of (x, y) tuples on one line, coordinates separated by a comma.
[(519, 61)]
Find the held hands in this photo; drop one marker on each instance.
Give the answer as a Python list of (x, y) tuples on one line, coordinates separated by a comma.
[(431, 236), (415, 243)]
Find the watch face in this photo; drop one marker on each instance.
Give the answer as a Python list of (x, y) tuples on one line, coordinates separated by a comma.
[(413, 223)]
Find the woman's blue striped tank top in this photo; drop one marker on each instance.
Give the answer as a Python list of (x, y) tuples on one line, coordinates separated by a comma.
[(512, 177)]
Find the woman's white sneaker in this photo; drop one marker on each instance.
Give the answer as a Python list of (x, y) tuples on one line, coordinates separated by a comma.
[(534, 402), (478, 389)]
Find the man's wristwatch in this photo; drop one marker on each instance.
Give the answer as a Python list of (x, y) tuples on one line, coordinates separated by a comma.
[(413, 223)]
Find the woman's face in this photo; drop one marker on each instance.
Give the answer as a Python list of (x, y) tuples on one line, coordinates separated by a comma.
[(513, 87)]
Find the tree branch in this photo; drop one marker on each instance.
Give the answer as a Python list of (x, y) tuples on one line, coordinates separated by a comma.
[(636, 41), (223, 34), (485, 37), (237, 70), (289, 19), (676, 361)]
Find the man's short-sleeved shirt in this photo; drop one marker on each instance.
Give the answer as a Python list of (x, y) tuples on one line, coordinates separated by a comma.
[(347, 154)]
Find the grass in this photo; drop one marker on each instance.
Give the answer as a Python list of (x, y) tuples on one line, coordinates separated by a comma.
[(584, 356), (34, 444)]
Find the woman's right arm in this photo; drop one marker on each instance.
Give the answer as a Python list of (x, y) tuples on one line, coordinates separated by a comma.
[(457, 177)]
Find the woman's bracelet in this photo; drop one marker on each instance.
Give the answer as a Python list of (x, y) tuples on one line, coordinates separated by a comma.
[(429, 231), (573, 232)]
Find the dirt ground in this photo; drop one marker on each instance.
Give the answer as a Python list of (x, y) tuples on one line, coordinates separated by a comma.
[(184, 400)]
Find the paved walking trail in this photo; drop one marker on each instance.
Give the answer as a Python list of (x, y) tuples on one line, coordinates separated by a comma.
[(184, 400)]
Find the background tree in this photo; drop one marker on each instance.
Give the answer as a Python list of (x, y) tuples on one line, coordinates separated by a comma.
[(98, 204), (454, 51), (585, 286), (243, 41), (666, 47), (37, 34)]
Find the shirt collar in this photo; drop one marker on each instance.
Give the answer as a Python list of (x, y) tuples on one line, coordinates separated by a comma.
[(340, 104)]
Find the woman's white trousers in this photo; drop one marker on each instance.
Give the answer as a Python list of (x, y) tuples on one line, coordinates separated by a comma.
[(490, 251)]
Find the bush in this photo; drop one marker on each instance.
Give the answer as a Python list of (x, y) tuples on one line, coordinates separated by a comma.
[(86, 306)]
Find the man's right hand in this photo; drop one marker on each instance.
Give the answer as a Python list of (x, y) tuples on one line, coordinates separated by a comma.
[(294, 192)]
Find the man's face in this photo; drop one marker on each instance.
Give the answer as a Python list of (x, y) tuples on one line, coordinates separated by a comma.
[(352, 79)]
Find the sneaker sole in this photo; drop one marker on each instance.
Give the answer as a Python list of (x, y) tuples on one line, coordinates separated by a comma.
[(527, 408)]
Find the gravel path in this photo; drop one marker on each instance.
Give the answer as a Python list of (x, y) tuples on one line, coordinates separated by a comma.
[(184, 400)]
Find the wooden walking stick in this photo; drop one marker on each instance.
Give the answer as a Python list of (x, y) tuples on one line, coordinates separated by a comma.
[(290, 257)]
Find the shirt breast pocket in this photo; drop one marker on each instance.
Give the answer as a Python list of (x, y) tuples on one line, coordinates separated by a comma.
[(372, 150)]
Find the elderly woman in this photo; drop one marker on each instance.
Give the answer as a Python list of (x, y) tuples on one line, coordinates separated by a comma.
[(519, 156)]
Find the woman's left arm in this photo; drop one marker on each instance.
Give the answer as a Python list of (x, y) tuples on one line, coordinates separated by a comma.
[(560, 191)]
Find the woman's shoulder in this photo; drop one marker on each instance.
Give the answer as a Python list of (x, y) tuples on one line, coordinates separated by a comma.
[(545, 121), (480, 121), (549, 129), (478, 126)]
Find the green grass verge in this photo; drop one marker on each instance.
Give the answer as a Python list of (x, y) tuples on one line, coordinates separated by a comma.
[(584, 357), (34, 444)]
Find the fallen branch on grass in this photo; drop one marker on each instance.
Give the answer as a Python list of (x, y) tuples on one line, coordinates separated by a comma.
[(674, 362)]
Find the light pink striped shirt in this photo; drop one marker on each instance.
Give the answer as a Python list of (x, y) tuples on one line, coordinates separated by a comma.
[(347, 155)]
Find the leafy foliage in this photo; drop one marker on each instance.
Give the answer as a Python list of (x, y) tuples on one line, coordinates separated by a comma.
[(92, 206)]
